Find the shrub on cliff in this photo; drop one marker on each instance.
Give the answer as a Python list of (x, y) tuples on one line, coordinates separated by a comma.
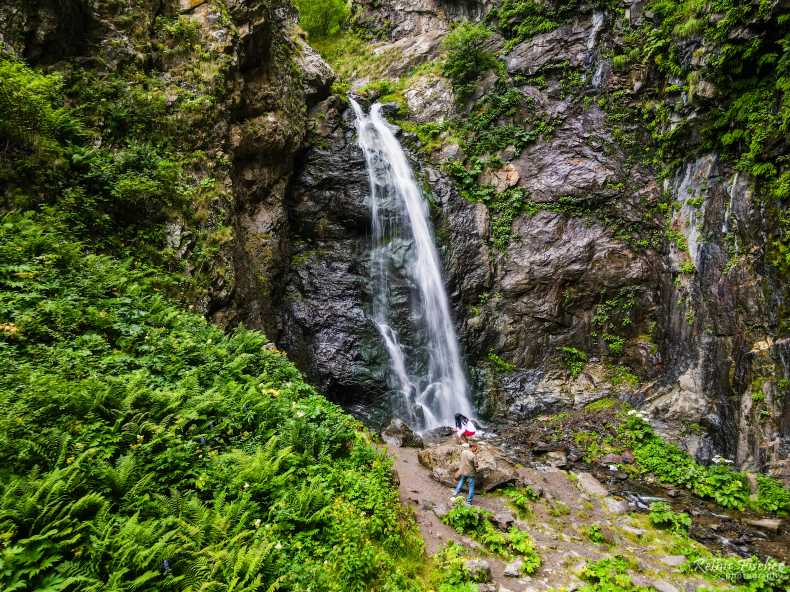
[(322, 18), (467, 56)]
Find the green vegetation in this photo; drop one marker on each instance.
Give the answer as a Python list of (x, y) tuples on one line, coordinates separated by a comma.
[(117, 154), (519, 20), (751, 575), (467, 57), (609, 575), (674, 466), (662, 516), (558, 509), (498, 364), (595, 534), (521, 498), (476, 522), (323, 18), (601, 405), (574, 360), (450, 575), (143, 447), (620, 375)]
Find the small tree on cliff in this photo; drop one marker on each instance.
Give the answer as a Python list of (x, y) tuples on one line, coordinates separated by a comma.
[(322, 18)]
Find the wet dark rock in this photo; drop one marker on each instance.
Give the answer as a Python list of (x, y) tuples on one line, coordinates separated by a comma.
[(398, 433), (565, 44)]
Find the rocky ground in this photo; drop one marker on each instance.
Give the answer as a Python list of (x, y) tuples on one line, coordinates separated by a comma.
[(573, 503)]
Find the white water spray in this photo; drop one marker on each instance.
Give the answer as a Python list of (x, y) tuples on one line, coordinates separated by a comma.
[(432, 385)]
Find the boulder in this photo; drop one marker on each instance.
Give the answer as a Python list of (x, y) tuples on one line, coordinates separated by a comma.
[(556, 458), (590, 484), (513, 569), (504, 519), (398, 433), (441, 510), (479, 570), (772, 524), (673, 560), (492, 469), (615, 506), (317, 75)]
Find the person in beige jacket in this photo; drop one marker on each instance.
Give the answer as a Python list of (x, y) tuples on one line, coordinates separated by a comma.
[(467, 470)]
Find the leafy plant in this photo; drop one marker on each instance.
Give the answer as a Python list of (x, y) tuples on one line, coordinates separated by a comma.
[(772, 496), (674, 466), (662, 516), (143, 447), (521, 498), (476, 522), (574, 360), (609, 575), (322, 18), (595, 534), (467, 56)]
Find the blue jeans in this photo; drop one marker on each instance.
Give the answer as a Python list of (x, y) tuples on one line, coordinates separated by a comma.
[(460, 486)]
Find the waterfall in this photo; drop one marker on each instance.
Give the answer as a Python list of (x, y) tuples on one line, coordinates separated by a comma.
[(429, 379)]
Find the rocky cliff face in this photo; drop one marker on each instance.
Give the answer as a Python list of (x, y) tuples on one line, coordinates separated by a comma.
[(618, 275), (588, 251), (235, 80)]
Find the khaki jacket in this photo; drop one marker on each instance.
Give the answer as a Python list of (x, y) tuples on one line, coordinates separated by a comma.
[(468, 464)]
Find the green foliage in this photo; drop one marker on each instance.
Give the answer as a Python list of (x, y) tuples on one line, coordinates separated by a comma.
[(521, 498), (574, 360), (558, 509), (518, 20), (620, 375), (476, 522), (688, 267), (662, 516), (614, 343), (609, 575), (772, 496), (498, 364), (467, 56), (595, 534), (601, 405), (451, 575), (674, 466), (110, 153), (32, 116), (323, 18), (142, 448), (751, 573)]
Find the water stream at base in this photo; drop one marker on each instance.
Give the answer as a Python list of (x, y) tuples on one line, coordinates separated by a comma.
[(429, 379)]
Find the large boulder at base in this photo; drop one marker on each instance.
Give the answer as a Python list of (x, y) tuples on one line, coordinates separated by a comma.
[(398, 433), (492, 469)]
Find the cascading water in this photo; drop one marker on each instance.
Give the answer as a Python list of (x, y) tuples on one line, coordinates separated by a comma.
[(431, 382)]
